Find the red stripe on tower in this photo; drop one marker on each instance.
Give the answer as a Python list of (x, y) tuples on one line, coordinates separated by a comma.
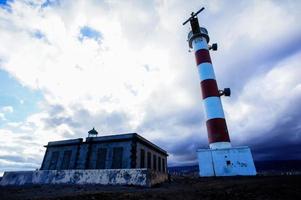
[(202, 56), (209, 88), (217, 130)]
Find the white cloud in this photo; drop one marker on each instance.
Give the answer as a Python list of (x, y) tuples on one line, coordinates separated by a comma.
[(7, 109), (2, 117)]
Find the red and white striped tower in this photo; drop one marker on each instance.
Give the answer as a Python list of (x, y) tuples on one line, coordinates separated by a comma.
[(218, 135), (221, 159)]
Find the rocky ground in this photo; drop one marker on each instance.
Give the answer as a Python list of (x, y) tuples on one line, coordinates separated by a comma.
[(259, 187)]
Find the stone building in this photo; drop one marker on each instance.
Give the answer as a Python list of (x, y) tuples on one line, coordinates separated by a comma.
[(124, 151)]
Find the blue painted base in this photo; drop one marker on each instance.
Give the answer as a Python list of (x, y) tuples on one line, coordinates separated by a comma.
[(235, 161)]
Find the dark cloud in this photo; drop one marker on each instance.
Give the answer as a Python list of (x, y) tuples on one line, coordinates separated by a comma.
[(181, 132), (19, 159), (115, 120), (54, 121), (56, 109), (189, 117), (247, 61), (15, 166), (57, 116), (82, 120), (283, 141), (13, 158)]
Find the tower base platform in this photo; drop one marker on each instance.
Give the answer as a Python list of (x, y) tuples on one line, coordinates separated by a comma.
[(234, 161)]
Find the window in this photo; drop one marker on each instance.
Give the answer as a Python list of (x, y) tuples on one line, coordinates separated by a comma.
[(159, 164), (66, 159), (101, 158), (149, 160), (117, 158), (53, 161), (154, 162), (142, 158), (163, 165)]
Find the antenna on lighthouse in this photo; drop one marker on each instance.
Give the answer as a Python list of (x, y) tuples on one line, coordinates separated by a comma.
[(193, 15), (196, 30)]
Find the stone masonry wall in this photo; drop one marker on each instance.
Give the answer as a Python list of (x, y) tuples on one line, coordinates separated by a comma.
[(138, 177)]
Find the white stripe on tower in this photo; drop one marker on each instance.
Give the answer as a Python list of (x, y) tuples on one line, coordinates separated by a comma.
[(213, 108), (206, 71)]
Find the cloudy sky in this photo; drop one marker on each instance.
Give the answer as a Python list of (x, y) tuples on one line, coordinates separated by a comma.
[(125, 66)]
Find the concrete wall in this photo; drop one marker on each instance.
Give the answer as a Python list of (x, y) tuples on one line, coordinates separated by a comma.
[(139, 177), (146, 150)]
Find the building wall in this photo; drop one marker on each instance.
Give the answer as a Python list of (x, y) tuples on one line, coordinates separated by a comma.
[(60, 150), (155, 165), (82, 156), (126, 153), (86, 155)]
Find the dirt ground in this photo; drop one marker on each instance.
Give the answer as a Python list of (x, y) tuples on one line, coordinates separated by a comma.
[(259, 187)]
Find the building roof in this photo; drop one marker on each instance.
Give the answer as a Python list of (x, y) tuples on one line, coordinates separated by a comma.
[(65, 142)]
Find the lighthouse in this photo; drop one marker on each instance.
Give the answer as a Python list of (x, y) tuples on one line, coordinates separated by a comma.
[(220, 159)]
